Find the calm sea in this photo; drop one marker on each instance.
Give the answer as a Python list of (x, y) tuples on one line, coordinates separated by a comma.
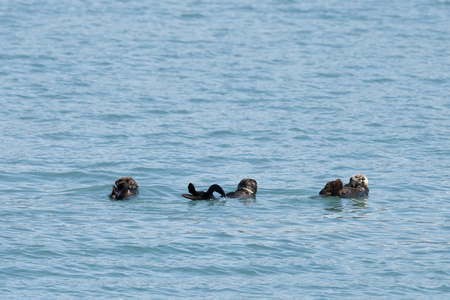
[(291, 93)]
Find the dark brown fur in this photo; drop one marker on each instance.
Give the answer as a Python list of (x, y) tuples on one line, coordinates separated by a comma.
[(332, 188), (125, 188), (353, 189), (201, 195), (246, 189)]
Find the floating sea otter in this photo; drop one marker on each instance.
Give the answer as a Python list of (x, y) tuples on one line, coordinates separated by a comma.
[(356, 188), (125, 188), (246, 189)]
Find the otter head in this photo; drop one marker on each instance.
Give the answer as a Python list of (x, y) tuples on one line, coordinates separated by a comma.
[(124, 188), (248, 185), (359, 180), (126, 182)]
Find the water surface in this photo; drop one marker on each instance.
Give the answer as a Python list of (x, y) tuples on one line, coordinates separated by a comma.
[(290, 93)]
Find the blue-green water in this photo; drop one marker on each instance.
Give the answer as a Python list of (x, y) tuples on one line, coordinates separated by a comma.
[(290, 93)]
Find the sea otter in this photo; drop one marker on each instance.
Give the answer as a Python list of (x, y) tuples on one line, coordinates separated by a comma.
[(125, 188), (246, 189), (356, 188)]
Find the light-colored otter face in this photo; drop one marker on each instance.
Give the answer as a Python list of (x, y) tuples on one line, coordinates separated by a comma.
[(360, 180)]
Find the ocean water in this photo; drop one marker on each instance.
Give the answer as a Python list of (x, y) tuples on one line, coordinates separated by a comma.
[(291, 93)]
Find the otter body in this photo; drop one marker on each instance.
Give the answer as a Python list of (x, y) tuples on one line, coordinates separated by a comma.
[(246, 189), (357, 187)]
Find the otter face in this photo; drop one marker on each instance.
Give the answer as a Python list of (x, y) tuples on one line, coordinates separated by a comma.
[(359, 180)]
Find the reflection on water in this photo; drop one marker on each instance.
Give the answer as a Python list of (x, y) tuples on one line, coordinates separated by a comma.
[(220, 202), (247, 202), (333, 204), (360, 203), (336, 204)]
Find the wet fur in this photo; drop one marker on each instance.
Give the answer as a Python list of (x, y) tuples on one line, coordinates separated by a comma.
[(246, 189), (201, 195), (356, 188), (124, 188)]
